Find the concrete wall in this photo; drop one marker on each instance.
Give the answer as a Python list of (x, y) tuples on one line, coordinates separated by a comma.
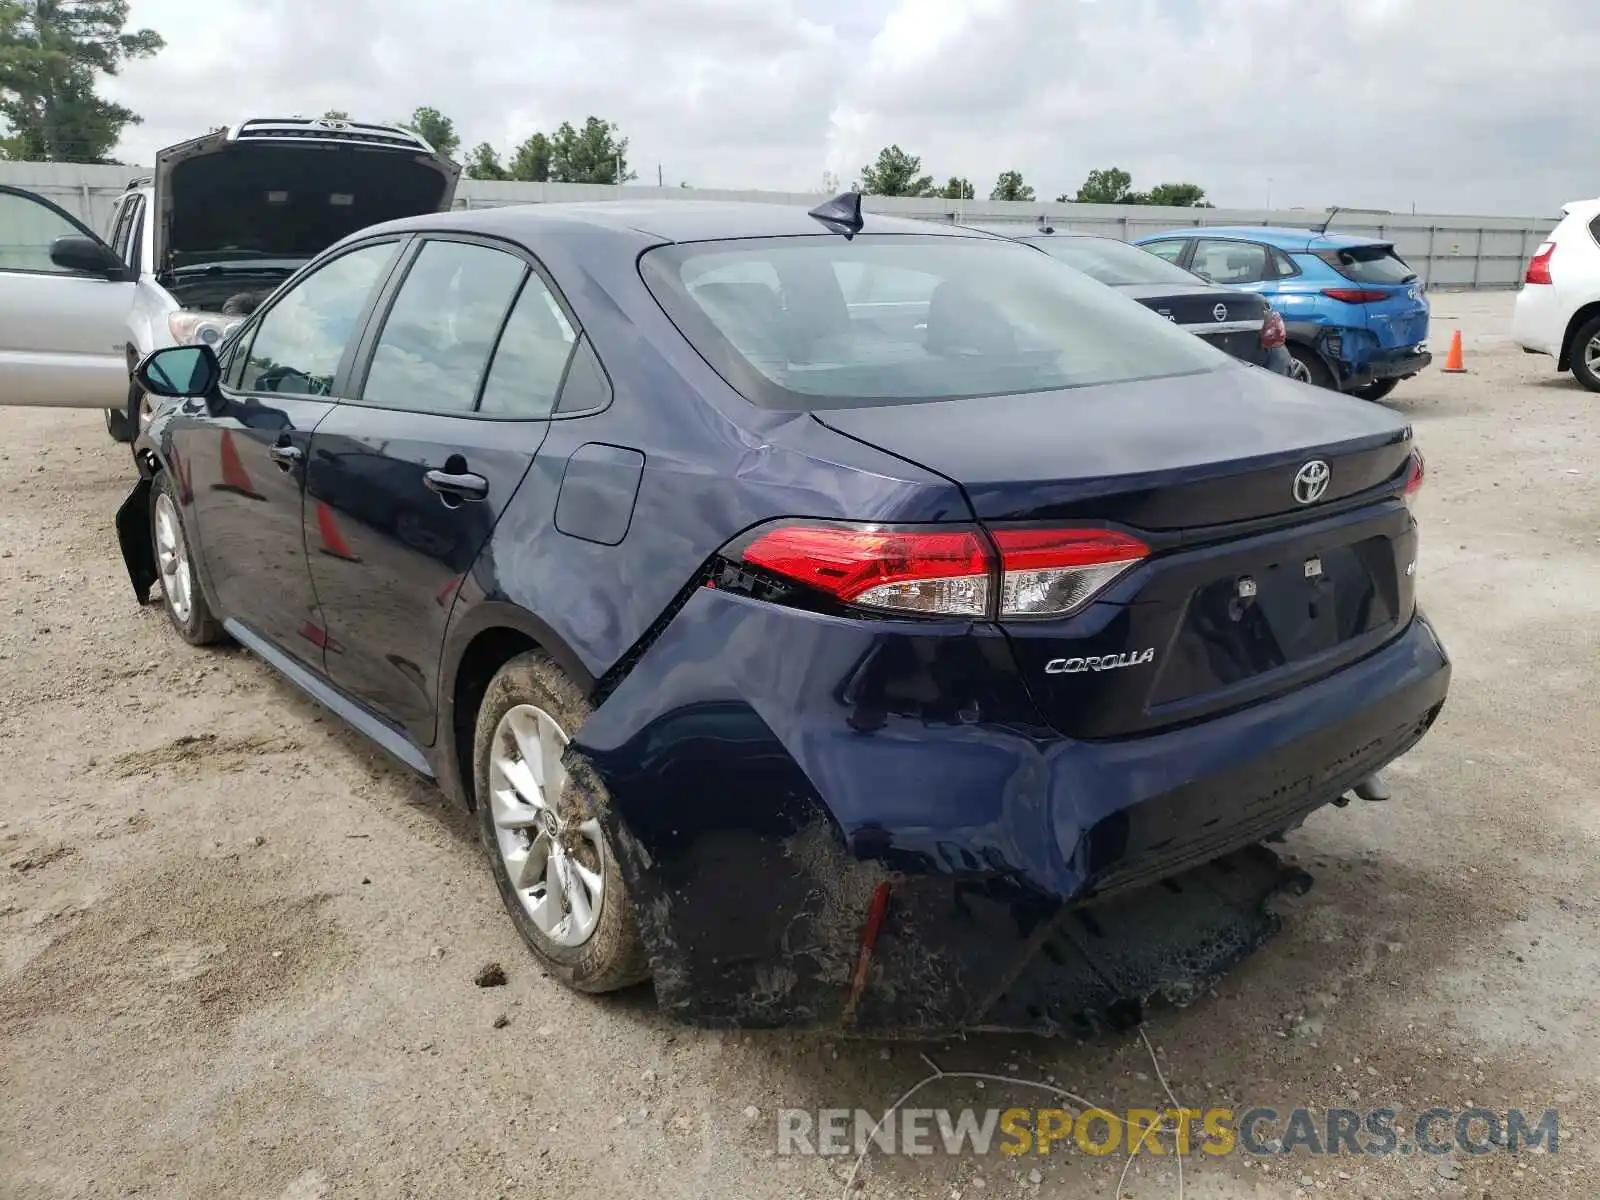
[(1447, 251)]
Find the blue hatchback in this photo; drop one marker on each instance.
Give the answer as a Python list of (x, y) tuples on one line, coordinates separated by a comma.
[(1356, 314)]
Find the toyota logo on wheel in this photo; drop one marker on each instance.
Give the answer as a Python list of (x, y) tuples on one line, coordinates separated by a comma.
[(1311, 481), (1220, 312)]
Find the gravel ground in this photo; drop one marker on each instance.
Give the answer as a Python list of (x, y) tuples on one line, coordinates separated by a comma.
[(237, 948)]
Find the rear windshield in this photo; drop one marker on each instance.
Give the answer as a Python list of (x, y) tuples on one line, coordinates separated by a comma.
[(821, 322), (1369, 264), (1113, 262)]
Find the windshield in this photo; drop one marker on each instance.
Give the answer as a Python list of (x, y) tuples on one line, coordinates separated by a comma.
[(1113, 262), (821, 322), (1369, 264)]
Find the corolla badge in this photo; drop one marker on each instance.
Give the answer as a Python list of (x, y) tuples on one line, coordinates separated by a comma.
[(1106, 662), (1311, 481)]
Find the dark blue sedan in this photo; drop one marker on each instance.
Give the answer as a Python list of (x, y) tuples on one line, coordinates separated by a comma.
[(845, 623)]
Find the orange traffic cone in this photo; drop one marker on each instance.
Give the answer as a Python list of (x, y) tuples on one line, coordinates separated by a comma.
[(1453, 362), (234, 477), (332, 540)]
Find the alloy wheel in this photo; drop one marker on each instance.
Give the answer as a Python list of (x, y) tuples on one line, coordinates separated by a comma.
[(1591, 356), (1298, 370), (556, 865), (172, 559)]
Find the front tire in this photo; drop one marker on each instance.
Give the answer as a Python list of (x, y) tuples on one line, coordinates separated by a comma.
[(1315, 371), (557, 873), (181, 593), (1586, 355)]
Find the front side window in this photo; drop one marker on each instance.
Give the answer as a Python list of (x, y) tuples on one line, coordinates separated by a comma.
[(1232, 262), (301, 340), (28, 228), (442, 328), (962, 317)]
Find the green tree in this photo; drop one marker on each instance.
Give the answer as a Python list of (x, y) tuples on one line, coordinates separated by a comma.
[(1178, 195), (530, 162), (593, 154), (1010, 187), (1111, 186), (958, 189), (438, 130), (51, 54), (484, 163), (895, 173)]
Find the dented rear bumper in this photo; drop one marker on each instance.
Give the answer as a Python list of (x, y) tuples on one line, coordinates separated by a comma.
[(763, 773)]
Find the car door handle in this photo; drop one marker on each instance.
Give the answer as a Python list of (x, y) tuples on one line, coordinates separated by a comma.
[(454, 486), (287, 457)]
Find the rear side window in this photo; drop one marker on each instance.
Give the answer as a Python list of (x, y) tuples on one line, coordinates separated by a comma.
[(1171, 250), (1594, 230), (531, 358), (1232, 262), (820, 322), (441, 329), (1368, 264)]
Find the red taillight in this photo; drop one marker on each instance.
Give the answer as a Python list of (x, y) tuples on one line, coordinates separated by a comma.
[(948, 572), (1539, 265), (1416, 470), (1355, 295), (1054, 572), (1273, 334)]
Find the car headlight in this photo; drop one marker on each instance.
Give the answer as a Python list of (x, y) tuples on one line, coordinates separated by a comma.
[(200, 328)]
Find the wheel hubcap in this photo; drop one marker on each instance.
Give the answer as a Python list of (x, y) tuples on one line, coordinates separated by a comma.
[(1298, 370), (1591, 356), (172, 559), (556, 865)]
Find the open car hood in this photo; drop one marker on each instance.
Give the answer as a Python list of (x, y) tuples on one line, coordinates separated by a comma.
[(220, 198)]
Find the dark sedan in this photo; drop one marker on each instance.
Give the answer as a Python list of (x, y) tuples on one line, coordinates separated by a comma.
[(1239, 322), (845, 623)]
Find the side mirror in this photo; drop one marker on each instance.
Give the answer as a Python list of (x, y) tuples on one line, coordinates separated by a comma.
[(85, 254), (180, 372)]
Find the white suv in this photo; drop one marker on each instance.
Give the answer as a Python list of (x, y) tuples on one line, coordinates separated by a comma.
[(191, 250), (1558, 309)]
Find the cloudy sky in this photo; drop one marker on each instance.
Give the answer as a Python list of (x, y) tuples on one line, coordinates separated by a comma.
[(1483, 107)]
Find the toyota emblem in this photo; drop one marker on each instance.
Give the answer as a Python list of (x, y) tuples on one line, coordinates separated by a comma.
[(1220, 312), (1311, 481)]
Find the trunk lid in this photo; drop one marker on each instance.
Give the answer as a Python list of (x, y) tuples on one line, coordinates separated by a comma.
[(287, 190), (1249, 589), (1228, 319)]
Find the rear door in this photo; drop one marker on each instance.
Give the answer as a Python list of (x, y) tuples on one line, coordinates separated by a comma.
[(407, 479), (241, 461), (62, 332)]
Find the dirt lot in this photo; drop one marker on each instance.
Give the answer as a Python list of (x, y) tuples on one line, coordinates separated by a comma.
[(237, 948)]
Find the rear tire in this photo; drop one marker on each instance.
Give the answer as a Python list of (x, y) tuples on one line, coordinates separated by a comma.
[(586, 932), (1377, 390), (1316, 371), (1586, 355), (181, 593)]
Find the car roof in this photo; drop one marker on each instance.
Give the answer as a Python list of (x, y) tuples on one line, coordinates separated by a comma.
[(1283, 238), (660, 220)]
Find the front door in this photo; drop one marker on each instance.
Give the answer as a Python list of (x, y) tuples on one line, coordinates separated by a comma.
[(62, 331), (243, 461), (405, 483)]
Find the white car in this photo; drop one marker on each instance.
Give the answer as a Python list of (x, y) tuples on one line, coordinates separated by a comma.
[(191, 250), (1558, 309)]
